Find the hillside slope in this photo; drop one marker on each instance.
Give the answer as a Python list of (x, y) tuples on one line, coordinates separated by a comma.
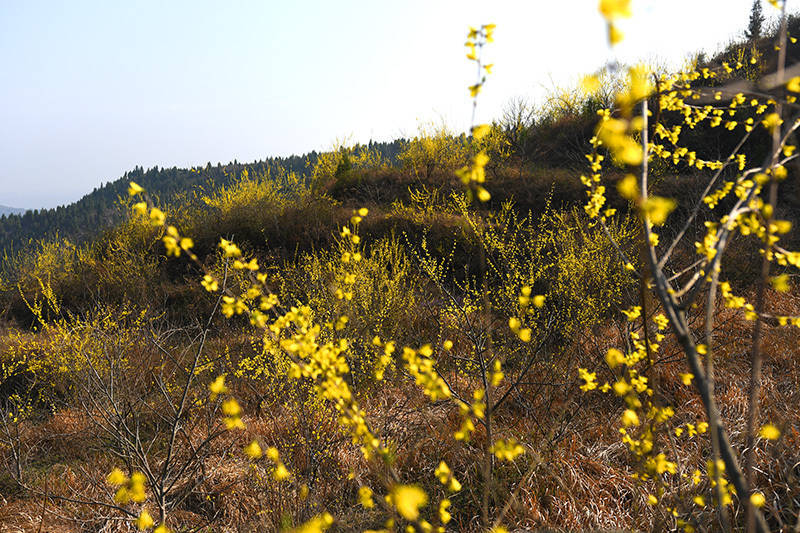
[(99, 210), (363, 342)]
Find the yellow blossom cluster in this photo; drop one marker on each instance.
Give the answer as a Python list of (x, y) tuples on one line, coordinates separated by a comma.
[(507, 450), (129, 489), (132, 490), (473, 175)]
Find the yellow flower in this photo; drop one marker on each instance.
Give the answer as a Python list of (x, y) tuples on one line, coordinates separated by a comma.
[(471, 55), (253, 450), (621, 388), (122, 496), (489, 29), (633, 313), (233, 418), (658, 209), (615, 35), (614, 358), (145, 521), (444, 515), (442, 472), (794, 84), (140, 208), (538, 301), (318, 524), (407, 499), (365, 497), (209, 283), (780, 283), (687, 378), (116, 478), (480, 131), (589, 378), (134, 189), (218, 387), (507, 450), (157, 217), (231, 407), (136, 487), (628, 188), (630, 418), (480, 159), (758, 499), (772, 121), (590, 84), (230, 249), (497, 372), (770, 432), (613, 133), (612, 9), (782, 226), (272, 453), (281, 472)]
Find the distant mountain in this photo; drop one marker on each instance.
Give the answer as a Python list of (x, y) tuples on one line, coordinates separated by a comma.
[(5, 210)]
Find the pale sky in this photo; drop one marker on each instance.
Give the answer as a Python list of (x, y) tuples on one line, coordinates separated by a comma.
[(90, 89)]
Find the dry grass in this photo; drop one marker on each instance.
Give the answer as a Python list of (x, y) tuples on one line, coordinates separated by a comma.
[(575, 479)]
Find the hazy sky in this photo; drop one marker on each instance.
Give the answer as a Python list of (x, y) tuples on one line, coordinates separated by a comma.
[(88, 90)]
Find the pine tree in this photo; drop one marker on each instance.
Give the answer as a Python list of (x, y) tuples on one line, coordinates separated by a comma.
[(756, 21)]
